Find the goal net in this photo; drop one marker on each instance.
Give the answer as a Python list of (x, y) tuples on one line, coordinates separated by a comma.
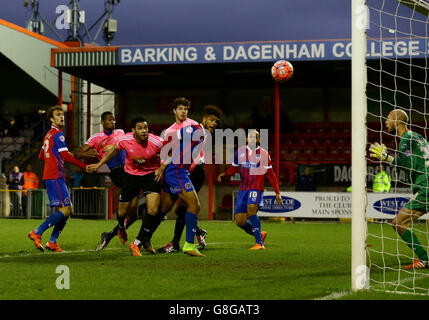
[(397, 78)]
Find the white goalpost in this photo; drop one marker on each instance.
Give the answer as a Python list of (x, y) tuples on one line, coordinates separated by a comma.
[(359, 269), (390, 41)]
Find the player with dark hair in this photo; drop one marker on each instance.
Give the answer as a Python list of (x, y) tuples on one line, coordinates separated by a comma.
[(183, 137), (413, 155), (54, 152), (210, 121), (141, 173), (98, 145), (253, 163)]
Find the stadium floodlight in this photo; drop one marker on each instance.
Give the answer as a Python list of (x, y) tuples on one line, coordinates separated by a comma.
[(37, 22), (110, 27)]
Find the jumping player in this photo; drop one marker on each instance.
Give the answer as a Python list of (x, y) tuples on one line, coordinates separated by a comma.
[(253, 163), (54, 152), (141, 164), (98, 145), (186, 135), (412, 155), (210, 121)]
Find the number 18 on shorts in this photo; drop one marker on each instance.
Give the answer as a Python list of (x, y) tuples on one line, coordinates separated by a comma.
[(246, 197)]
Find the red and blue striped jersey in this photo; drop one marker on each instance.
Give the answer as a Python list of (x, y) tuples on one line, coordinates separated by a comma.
[(253, 165), (186, 143), (53, 144)]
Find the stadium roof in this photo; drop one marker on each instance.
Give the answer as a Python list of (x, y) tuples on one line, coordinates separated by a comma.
[(28, 53)]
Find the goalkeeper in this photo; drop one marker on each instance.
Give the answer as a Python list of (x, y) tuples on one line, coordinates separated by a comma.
[(413, 154)]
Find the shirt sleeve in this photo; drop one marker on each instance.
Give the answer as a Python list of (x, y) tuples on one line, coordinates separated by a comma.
[(91, 141), (269, 163), (120, 144), (60, 142)]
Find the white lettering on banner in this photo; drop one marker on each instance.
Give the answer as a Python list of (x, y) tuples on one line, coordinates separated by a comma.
[(342, 173), (390, 49), (274, 51), (337, 50), (153, 55), (126, 56), (267, 51), (289, 51)]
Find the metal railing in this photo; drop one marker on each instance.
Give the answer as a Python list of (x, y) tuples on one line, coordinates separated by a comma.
[(87, 203), (90, 202)]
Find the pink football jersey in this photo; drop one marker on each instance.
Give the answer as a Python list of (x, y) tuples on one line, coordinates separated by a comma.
[(102, 142), (141, 159)]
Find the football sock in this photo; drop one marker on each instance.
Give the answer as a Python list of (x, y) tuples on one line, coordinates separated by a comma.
[(114, 232), (180, 224), (191, 226), (149, 224), (57, 230), (199, 231), (411, 239), (52, 220), (161, 215), (256, 228), (121, 221), (247, 228)]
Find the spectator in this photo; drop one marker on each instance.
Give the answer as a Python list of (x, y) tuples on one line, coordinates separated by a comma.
[(382, 181), (31, 182), (15, 182), (76, 178), (306, 182), (12, 128)]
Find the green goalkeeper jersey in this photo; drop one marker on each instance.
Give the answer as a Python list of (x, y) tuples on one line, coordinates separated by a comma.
[(413, 156)]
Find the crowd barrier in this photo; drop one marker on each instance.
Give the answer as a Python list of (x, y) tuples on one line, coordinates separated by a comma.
[(87, 203)]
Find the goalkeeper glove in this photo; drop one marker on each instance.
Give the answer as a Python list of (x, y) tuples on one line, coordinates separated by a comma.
[(379, 151)]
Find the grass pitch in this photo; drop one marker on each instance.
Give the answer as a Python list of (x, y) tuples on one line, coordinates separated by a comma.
[(302, 261)]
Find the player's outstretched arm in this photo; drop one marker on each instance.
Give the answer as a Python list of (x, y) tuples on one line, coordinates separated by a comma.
[(229, 172), (85, 151), (68, 157), (113, 151)]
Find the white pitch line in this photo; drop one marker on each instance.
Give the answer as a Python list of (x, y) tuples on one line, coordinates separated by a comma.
[(338, 295), (334, 295)]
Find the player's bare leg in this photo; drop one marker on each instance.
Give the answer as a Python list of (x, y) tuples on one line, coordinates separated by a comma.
[(193, 203), (402, 223), (149, 223)]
